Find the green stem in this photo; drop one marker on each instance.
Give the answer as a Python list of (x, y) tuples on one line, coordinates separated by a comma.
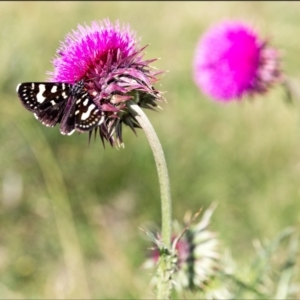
[(164, 267), (166, 203)]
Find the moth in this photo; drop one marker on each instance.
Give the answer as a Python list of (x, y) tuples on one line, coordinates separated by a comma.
[(69, 105)]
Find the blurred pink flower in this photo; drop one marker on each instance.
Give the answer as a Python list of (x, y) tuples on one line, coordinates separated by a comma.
[(232, 61)]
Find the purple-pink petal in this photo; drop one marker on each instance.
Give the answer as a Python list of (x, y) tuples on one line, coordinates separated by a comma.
[(89, 46)]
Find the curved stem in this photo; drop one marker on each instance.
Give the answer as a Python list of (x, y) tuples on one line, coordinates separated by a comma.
[(164, 267), (166, 203)]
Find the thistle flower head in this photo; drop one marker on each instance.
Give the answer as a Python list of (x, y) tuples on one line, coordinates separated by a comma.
[(107, 59), (196, 252), (232, 61)]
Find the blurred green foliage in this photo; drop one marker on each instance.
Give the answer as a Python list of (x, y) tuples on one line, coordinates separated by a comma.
[(70, 212)]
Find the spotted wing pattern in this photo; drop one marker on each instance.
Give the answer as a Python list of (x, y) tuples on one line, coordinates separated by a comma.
[(56, 102)]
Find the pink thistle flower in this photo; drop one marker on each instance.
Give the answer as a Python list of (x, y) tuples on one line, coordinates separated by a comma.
[(232, 61), (108, 62)]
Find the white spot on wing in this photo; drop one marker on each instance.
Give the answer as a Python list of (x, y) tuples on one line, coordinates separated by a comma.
[(86, 101), (39, 97), (101, 120), (54, 89), (71, 132), (65, 133), (18, 86), (85, 115)]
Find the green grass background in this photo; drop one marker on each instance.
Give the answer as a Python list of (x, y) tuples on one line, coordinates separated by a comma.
[(70, 212)]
